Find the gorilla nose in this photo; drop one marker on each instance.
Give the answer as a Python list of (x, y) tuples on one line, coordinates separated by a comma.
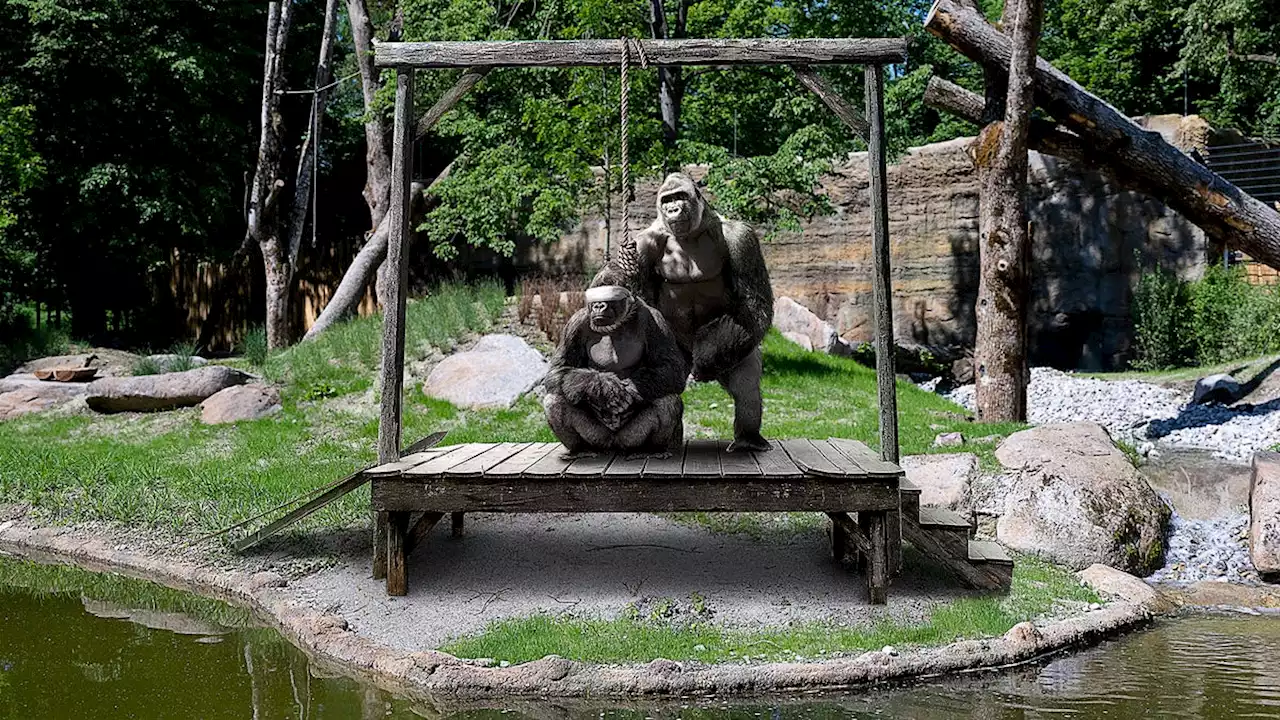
[(598, 306)]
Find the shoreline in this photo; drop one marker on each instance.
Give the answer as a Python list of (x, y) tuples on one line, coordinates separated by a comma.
[(433, 675)]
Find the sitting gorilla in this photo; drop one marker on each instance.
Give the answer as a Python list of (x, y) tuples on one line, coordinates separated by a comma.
[(706, 275), (616, 378)]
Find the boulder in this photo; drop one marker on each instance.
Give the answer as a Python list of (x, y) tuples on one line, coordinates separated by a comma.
[(110, 363), (792, 318), (493, 374), (27, 381), (948, 439), (1075, 499), (800, 339), (167, 361), (1220, 388), (15, 403), (943, 479), (1264, 513), (161, 392), (1109, 581), (240, 402)]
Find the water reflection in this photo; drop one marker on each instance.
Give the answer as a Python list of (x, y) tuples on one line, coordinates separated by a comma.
[(109, 649)]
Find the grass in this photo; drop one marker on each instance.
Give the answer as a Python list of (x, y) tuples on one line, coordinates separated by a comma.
[(1037, 588), (1243, 370)]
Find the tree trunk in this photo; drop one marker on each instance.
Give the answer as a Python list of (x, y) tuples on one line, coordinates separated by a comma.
[(377, 152), (264, 197), (670, 79), (1000, 154), (1221, 209)]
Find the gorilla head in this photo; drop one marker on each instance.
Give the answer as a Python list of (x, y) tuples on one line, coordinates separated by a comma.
[(609, 307), (680, 205)]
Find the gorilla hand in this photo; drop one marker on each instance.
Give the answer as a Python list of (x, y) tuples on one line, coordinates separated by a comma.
[(718, 347)]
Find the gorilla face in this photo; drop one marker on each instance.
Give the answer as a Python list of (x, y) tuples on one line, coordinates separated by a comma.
[(680, 205), (608, 307)]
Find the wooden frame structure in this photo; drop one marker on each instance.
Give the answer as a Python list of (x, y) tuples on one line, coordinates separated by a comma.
[(480, 57)]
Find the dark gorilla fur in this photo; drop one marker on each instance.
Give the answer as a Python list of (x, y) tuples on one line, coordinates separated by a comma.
[(636, 408)]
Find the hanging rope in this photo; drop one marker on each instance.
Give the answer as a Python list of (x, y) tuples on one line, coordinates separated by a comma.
[(628, 192)]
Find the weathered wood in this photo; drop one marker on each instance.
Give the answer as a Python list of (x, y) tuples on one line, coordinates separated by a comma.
[(477, 465), (940, 549), (616, 494), (1004, 244), (878, 558), (622, 465), (866, 458), (737, 464), (551, 465), (522, 460), (457, 523), (838, 105), (843, 462), (1221, 209), (392, 371), (606, 53), (886, 390), (839, 541), (855, 540), (702, 458), (468, 80), (418, 533), (380, 522), (397, 531), (665, 467), (589, 465), (776, 463), (1044, 137), (406, 463), (443, 462), (809, 459)]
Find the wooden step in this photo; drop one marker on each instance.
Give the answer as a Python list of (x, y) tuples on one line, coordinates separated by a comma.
[(948, 528), (909, 497), (949, 545), (993, 561)]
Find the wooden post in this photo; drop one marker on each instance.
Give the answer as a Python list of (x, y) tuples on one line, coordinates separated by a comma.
[(457, 520), (886, 391), (393, 313), (877, 531), (397, 535)]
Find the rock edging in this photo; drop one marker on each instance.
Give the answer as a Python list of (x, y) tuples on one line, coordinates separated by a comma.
[(433, 673)]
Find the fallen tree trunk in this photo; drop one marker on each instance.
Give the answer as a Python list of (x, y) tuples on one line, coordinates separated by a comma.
[(1219, 208)]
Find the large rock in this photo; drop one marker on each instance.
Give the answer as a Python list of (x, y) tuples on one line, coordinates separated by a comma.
[(943, 479), (1107, 580), (793, 319), (1264, 513), (493, 374), (161, 392), (109, 362), (16, 403), (1076, 500), (1220, 388), (27, 381), (240, 402)]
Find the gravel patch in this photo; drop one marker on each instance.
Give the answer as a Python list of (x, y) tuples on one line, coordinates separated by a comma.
[(1149, 416), (1216, 549)]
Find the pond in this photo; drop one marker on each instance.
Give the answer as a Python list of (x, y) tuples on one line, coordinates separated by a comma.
[(78, 644)]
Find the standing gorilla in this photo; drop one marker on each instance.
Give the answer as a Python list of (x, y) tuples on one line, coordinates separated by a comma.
[(707, 277), (616, 378)]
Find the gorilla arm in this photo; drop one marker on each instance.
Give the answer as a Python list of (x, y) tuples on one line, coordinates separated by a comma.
[(569, 376), (662, 370), (724, 342)]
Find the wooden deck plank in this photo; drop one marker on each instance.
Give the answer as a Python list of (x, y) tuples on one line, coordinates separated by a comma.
[(738, 464), (702, 458), (807, 458), (437, 465), (521, 461), (476, 466), (776, 463), (622, 466), (589, 465), (666, 467), (551, 465), (406, 462), (849, 465), (866, 457)]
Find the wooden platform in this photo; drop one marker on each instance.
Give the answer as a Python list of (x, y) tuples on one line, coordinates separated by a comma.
[(842, 478)]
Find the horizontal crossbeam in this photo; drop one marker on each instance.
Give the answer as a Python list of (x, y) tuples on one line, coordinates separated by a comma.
[(595, 53)]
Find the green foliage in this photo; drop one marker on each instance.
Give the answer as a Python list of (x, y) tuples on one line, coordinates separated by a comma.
[(21, 341), (183, 356), (1218, 318), (254, 346), (1161, 321), (145, 365)]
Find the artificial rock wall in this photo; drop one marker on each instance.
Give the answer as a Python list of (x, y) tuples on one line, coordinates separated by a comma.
[(1091, 243)]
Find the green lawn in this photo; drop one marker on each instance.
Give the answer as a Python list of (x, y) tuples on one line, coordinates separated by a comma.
[(1243, 370), (169, 472)]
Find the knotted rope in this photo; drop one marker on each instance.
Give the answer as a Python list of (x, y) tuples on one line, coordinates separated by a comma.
[(629, 45)]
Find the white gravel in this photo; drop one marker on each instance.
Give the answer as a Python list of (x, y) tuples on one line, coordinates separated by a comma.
[(1147, 415), (1216, 549)]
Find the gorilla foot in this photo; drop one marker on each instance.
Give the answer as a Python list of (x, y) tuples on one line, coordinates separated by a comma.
[(650, 454), (576, 454), (748, 443)]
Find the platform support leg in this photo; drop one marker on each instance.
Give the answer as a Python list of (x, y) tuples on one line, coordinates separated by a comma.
[(839, 542), (379, 545), (877, 570), (397, 573), (893, 528), (456, 521)]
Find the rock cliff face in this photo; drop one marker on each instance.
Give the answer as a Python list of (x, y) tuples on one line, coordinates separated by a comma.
[(1090, 244)]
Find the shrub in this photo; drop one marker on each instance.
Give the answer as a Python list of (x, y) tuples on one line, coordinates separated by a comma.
[(20, 341), (182, 352), (1161, 312), (146, 365), (254, 346)]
